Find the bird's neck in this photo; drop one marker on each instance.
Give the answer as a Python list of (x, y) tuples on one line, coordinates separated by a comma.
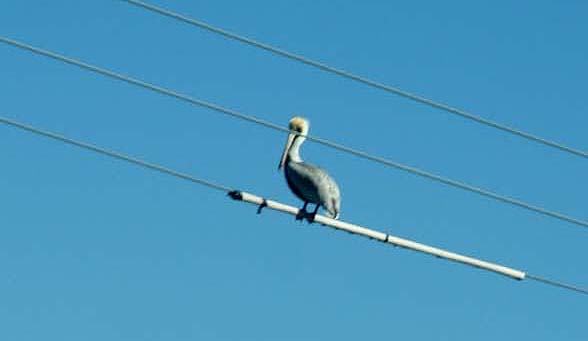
[(294, 152)]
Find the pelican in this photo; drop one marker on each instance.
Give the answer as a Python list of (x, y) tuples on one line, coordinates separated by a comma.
[(308, 182)]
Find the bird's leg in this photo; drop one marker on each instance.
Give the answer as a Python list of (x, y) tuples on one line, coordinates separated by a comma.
[(302, 212), (310, 216)]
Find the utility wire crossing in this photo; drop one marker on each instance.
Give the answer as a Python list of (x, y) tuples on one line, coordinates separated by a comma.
[(267, 124), (360, 79), (274, 205)]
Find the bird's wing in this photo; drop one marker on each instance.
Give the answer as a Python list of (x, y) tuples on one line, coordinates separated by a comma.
[(323, 183)]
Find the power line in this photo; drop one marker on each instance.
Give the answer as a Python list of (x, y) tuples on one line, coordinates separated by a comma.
[(267, 124), (557, 284), (115, 155), (339, 225), (361, 79), (401, 242)]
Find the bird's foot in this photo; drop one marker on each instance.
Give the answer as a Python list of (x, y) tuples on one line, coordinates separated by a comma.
[(261, 206), (301, 214), (310, 216)]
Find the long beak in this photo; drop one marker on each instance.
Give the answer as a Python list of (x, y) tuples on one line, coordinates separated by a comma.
[(286, 149)]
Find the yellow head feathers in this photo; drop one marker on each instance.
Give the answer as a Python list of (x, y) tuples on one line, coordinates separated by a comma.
[(299, 125)]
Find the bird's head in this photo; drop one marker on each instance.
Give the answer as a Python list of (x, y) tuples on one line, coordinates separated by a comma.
[(299, 125)]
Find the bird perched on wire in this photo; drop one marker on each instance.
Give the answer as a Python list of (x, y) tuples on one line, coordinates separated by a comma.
[(308, 182)]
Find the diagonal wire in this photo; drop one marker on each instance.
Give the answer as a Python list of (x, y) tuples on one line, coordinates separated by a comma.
[(360, 79), (115, 155), (557, 284), (214, 185), (267, 124)]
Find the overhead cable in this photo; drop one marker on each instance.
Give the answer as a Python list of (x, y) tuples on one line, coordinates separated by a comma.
[(274, 205), (274, 126), (115, 155), (360, 79)]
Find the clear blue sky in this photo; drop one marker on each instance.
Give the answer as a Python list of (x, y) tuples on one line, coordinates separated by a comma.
[(97, 249)]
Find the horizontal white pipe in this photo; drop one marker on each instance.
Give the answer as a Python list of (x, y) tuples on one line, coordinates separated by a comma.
[(383, 237)]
